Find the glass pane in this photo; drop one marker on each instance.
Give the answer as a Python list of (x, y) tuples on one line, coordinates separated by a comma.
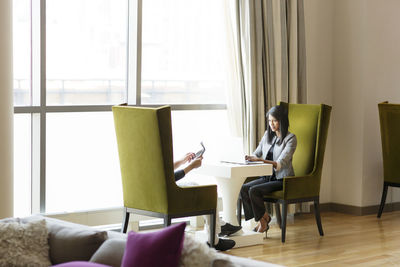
[(22, 165), (86, 51), (82, 162), (189, 128), (183, 52), (22, 52)]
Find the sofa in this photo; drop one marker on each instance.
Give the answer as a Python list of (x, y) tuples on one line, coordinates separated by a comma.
[(59, 242)]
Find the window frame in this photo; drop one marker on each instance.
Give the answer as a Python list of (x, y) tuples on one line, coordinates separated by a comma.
[(38, 109)]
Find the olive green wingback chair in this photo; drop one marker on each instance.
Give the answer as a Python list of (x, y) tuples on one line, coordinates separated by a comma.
[(144, 138), (310, 125), (389, 117)]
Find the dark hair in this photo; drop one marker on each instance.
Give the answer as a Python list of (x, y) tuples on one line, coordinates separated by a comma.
[(281, 114)]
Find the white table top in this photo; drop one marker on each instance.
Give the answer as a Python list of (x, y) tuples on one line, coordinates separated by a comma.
[(232, 170)]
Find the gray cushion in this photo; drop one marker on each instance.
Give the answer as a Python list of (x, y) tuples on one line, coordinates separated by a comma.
[(73, 244), (110, 252)]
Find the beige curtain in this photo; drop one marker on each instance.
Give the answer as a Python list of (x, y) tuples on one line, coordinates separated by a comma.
[(267, 59)]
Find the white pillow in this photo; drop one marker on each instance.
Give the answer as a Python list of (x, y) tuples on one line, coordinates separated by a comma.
[(24, 244), (198, 254)]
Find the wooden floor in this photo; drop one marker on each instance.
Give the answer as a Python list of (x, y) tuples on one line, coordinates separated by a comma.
[(348, 241)]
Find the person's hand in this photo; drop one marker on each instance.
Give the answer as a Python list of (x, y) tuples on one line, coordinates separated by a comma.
[(196, 162), (188, 157), (252, 158)]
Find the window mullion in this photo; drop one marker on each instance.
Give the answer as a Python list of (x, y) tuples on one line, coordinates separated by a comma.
[(134, 51), (38, 99)]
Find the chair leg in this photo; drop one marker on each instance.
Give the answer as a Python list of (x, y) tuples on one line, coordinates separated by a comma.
[(318, 217), (278, 214), (212, 228), (383, 200), (167, 220), (239, 211), (125, 221), (269, 207), (284, 216)]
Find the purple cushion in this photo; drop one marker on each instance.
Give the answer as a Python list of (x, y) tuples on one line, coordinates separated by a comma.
[(161, 248), (80, 264)]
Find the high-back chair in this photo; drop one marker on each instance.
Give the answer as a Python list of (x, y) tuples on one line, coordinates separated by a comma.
[(389, 117), (310, 125), (144, 138)]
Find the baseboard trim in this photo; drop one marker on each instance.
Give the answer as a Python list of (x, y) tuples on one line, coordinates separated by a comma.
[(355, 210)]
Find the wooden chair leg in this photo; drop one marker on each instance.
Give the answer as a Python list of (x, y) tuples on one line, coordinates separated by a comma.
[(318, 217), (212, 228), (278, 214), (383, 200), (125, 221), (284, 216), (239, 211), (167, 220)]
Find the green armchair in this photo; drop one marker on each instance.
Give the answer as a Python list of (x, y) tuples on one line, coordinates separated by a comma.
[(389, 117), (144, 138), (310, 125)]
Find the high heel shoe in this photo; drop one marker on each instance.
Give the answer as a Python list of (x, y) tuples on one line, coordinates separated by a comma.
[(264, 224)]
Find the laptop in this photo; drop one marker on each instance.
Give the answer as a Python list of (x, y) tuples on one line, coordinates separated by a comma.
[(233, 152)]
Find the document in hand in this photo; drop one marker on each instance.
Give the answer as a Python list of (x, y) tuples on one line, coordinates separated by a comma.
[(201, 151)]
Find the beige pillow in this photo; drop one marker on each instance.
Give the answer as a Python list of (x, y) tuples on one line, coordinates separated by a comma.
[(24, 244), (110, 252)]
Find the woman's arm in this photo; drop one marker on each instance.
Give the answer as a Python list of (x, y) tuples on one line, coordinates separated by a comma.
[(287, 153), (187, 158), (193, 165), (258, 151), (254, 158)]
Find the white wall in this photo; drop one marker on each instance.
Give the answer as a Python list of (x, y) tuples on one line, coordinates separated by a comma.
[(6, 111), (382, 82), (367, 59), (353, 60)]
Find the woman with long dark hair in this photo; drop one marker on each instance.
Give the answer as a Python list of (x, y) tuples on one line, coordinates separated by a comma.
[(276, 147)]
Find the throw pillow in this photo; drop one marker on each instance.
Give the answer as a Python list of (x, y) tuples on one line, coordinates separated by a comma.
[(196, 253), (24, 244), (110, 252), (161, 248), (73, 243), (80, 264)]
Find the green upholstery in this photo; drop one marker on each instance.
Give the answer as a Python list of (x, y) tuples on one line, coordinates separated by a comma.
[(144, 138), (389, 117), (310, 125)]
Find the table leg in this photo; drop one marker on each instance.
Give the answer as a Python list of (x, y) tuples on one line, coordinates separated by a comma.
[(230, 189)]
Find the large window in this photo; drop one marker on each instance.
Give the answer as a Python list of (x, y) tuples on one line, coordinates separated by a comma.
[(86, 51), (74, 59), (22, 52), (183, 52), (22, 171)]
